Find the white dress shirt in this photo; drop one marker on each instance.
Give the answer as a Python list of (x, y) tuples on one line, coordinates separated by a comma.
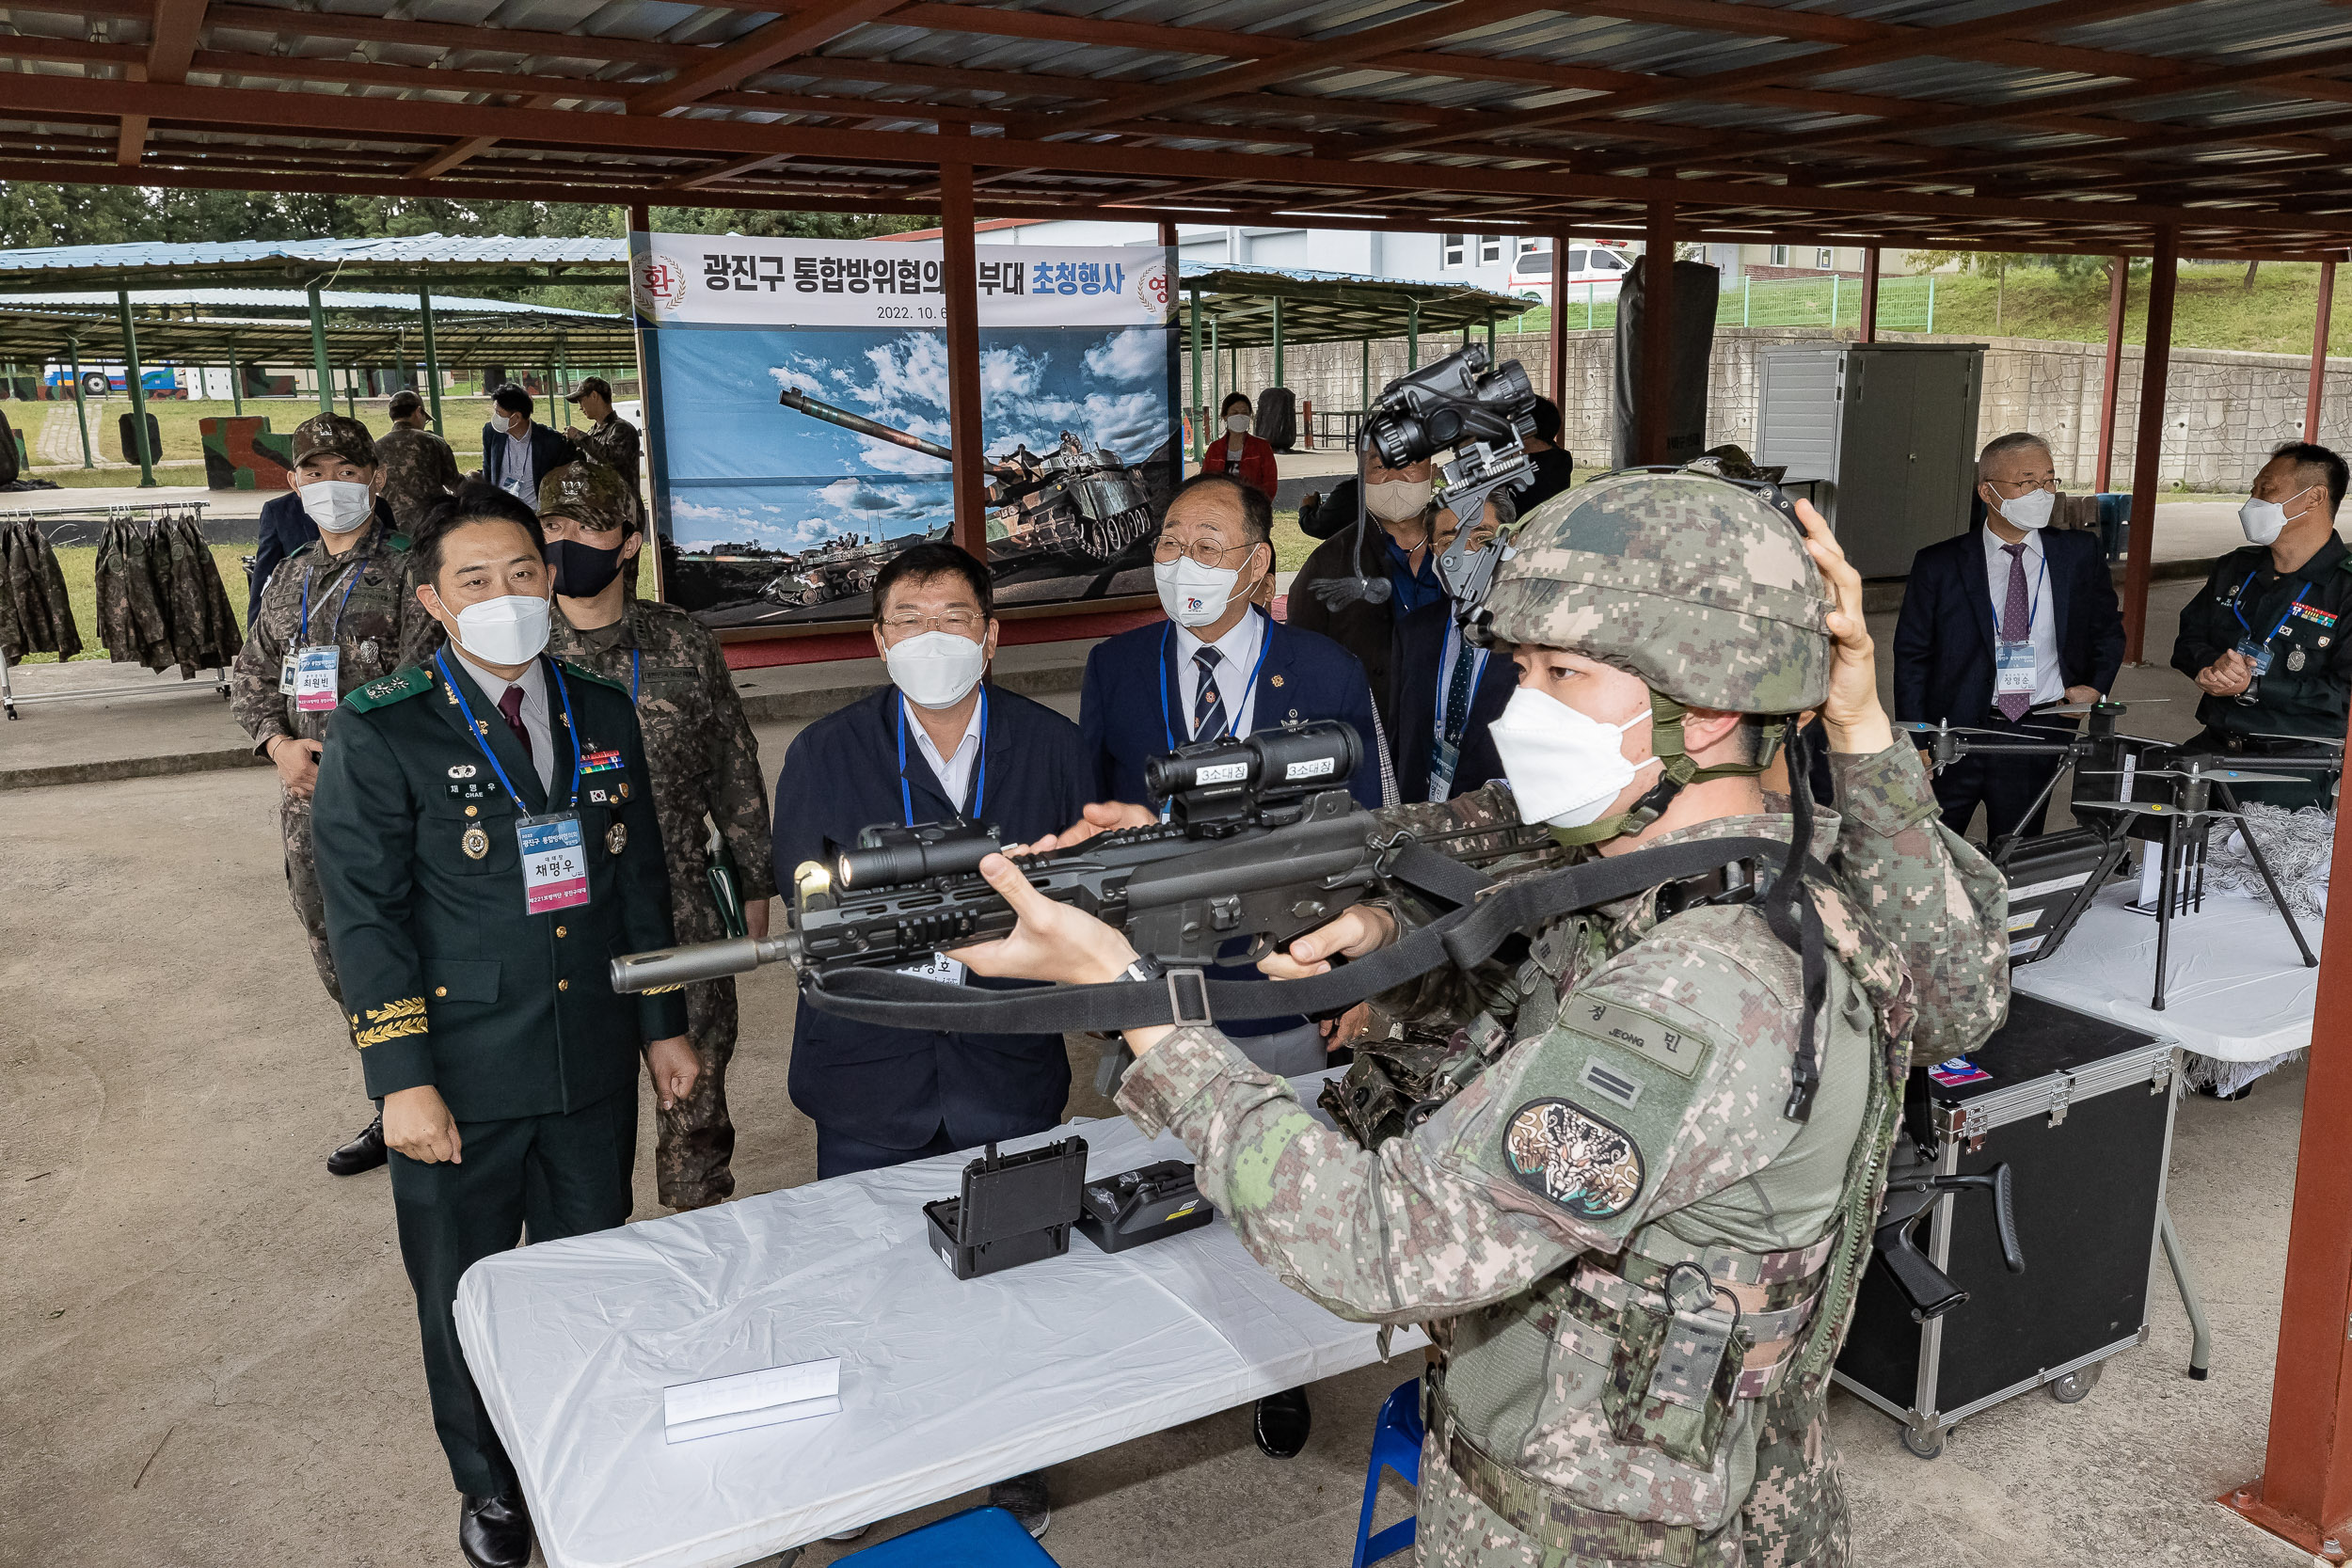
[(2049, 681), (534, 687), (953, 771), (1239, 647)]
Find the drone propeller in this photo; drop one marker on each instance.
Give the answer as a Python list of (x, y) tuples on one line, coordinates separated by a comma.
[(2146, 808), (2219, 775), (2306, 740), (2072, 708), (1916, 727)]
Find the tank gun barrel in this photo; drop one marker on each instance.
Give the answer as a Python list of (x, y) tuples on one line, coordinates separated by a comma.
[(792, 397)]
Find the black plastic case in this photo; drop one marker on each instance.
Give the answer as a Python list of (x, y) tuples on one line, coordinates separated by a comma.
[(1140, 1206), (1015, 1209)]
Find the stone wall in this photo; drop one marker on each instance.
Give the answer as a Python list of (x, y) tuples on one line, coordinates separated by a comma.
[(2225, 410)]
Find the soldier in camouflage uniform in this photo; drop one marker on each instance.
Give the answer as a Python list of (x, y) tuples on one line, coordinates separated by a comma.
[(705, 770), (346, 605), (1634, 1201), (609, 440), (419, 466)]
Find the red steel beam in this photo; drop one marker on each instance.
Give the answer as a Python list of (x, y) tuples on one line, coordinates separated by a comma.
[(1559, 319), (2118, 288), (2319, 350), (171, 38), (2148, 449), (2304, 1492), (795, 33), (1655, 402), (960, 299)]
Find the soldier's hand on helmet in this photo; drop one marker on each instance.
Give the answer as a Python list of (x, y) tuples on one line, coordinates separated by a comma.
[(674, 1067), (1357, 931), (1850, 711), (417, 1123), (1049, 941), (297, 764), (1101, 818)]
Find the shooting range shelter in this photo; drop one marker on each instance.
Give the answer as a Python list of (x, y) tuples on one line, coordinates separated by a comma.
[(2148, 128)]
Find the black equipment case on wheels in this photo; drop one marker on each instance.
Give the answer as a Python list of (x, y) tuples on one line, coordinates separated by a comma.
[(2080, 1108)]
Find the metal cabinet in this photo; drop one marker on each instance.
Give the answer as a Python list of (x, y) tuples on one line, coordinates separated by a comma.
[(1888, 434)]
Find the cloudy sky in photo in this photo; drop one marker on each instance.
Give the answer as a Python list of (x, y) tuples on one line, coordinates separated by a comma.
[(744, 469)]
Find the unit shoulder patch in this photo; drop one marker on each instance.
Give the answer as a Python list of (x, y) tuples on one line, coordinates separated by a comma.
[(1565, 1155), (396, 687)]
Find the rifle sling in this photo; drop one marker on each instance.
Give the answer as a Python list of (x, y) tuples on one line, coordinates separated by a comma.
[(1463, 937)]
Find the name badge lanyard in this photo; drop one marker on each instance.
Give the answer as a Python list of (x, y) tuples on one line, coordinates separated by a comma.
[(552, 848), (482, 739), (1232, 710), (2033, 610), (906, 793), (2237, 609), (2014, 669), (310, 674)]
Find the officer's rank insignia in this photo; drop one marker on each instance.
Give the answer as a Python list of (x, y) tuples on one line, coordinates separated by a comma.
[(616, 838), (1563, 1154), (2295, 660), (476, 842), (463, 771)]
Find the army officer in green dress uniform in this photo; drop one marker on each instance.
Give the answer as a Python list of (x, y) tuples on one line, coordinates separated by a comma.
[(487, 841)]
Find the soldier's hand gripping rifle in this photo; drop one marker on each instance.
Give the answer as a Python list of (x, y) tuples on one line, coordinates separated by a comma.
[(1263, 843)]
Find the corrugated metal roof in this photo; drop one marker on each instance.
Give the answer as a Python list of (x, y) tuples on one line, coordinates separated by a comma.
[(323, 253), (294, 299)]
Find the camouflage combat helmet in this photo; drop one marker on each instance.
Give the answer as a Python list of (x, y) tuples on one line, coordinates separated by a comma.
[(333, 433), (1697, 586), (592, 495)]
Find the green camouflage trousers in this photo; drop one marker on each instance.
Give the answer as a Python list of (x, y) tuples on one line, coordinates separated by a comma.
[(694, 1143), (302, 885), (1796, 1516), (1458, 1531)]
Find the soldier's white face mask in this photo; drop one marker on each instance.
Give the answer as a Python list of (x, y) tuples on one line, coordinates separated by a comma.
[(936, 669), (512, 629), (1398, 499), (337, 505), (1567, 769), (2029, 511)]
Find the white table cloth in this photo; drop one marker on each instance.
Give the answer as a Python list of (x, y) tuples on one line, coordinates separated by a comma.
[(946, 1384), (2237, 989)]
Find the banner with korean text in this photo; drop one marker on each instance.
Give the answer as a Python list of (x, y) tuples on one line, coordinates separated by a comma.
[(796, 417)]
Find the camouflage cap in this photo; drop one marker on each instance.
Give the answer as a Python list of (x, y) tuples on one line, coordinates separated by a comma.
[(1697, 586), (591, 494), (336, 434)]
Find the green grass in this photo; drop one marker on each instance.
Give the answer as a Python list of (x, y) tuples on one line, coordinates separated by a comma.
[(183, 440), (104, 479)]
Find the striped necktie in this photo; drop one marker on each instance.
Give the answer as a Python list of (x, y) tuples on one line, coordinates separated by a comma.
[(1209, 722)]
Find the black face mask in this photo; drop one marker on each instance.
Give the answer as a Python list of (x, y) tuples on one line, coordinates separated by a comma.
[(582, 571)]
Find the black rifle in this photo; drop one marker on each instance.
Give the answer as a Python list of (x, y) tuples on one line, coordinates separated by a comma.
[(1912, 1191), (1261, 844)]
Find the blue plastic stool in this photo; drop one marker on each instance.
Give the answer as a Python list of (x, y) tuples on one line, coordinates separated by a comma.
[(1396, 1439), (976, 1538)]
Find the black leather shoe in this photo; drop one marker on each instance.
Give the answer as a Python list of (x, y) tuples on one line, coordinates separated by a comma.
[(494, 1532), (1282, 1424), (362, 1154)]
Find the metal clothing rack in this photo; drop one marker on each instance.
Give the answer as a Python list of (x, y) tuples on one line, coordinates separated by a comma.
[(59, 525)]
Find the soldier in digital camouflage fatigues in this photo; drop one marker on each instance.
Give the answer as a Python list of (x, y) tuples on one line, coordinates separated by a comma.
[(362, 602), (1610, 1157), (705, 770), (418, 467)]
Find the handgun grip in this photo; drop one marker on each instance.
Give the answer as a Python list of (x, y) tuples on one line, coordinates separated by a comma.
[(1931, 1292)]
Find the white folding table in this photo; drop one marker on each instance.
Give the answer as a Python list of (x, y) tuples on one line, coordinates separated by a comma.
[(946, 1384)]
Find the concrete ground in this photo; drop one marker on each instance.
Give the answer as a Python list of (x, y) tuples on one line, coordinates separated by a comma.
[(210, 1352)]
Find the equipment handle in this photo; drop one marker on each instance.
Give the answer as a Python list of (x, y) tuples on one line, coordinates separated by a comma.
[(2011, 1255), (1931, 1292)]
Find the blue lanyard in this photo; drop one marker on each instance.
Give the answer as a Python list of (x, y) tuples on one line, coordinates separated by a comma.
[(357, 572), (2237, 609), (482, 739), (636, 665), (906, 793), (1167, 677), (1478, 672), (2032, 610)]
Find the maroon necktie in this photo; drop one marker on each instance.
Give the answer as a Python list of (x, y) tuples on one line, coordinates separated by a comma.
[(512, 706), (2016, 626)]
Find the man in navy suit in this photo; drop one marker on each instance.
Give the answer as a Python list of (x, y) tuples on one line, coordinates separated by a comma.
[(2008, 618), (1445, 695), (518, 453), (1217, 667)]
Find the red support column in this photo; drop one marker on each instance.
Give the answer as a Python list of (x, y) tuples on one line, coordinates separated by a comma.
[(2304, 1492), (2319, 350), (639, 217), (1559, 319), (1656, 385), (1870, 294), (960, 279), (2149, 444), (2121, 286)]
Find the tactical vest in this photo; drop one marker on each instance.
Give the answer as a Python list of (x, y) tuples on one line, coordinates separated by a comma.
[(1682, 1335)]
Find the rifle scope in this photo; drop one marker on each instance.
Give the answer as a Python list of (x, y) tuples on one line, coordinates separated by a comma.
[(1272, 764), (888, 856)]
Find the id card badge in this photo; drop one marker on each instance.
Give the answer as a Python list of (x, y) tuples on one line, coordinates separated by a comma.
[(1444, 757), (555, 866), (939, 966), (314, 679), (2259, 652), (2013, 673), (286, 674)]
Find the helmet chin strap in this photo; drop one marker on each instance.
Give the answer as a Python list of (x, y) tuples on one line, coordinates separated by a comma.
[(1676, 769)]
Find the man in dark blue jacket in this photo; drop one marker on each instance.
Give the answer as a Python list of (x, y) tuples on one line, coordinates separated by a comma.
[(2008, 618), (1445, 695), (518, 453), (1218, 667)]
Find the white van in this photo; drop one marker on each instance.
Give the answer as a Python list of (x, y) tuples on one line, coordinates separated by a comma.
[(1591, 265)]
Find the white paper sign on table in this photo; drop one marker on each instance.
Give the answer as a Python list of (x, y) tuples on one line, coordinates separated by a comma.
[(768, 1397)]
